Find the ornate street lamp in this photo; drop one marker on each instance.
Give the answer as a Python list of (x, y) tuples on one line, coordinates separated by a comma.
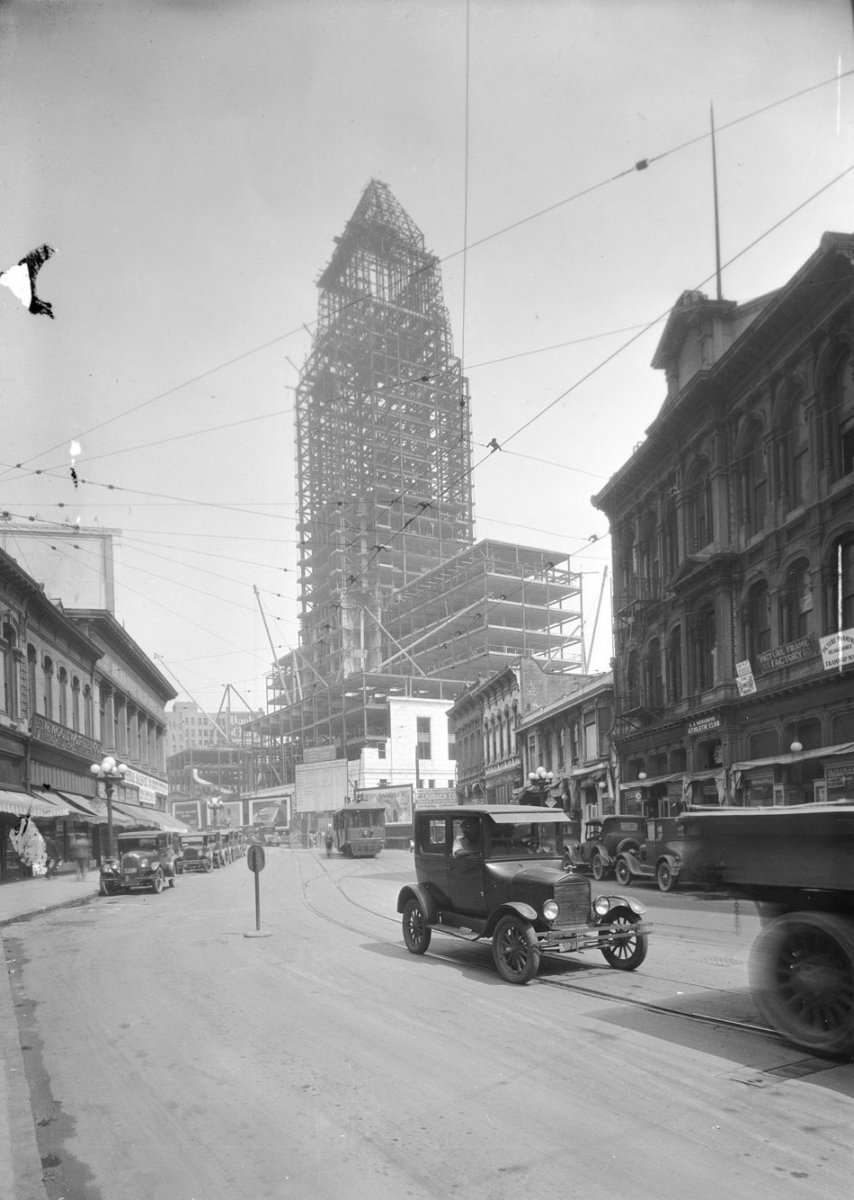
[(111, 772), (541, 779)]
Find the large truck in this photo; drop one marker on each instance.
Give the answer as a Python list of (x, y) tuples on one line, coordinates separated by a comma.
[(797, 864)]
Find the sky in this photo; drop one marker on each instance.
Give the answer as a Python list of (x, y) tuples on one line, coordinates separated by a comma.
[(191, 161)]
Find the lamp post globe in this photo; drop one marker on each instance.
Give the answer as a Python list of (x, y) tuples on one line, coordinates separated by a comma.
[(110, 771)]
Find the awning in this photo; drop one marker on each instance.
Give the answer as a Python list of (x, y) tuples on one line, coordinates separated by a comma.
[(822, 752), (151, 818), (94, 811), (642, 783), (22, 804)]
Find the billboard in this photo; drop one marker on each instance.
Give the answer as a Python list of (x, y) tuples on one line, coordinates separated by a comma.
[(396, 800)]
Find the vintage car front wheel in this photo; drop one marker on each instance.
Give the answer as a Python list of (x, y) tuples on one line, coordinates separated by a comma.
[(598, 867), (623, 873), (627, 949), (416, 931), (157, 882), (515, 950)]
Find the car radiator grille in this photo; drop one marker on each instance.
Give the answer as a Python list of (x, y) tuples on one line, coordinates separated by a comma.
[(573, 899)]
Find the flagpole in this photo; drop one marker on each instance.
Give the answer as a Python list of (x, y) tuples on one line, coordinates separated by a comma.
[(717, 220)]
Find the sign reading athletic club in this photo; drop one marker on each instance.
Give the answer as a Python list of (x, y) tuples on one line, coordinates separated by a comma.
[(704, 724)]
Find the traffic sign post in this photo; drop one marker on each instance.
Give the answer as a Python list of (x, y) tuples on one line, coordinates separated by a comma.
[(255, 863)]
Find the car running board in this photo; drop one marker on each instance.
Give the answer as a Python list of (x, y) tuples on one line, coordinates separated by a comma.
[(467, 935)]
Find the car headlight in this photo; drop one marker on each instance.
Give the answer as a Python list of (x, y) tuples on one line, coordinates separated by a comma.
[(144, 864), (550, 910), (601, 905)]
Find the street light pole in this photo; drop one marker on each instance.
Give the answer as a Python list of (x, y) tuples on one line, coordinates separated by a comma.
[(110, 771)]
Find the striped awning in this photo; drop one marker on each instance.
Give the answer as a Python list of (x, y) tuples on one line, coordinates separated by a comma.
[(22, 804)]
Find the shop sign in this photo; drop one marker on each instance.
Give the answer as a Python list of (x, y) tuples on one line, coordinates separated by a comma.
[(837, 650), (784, 656), (704, 724), (49, 733), (839, 777), (744, 680)]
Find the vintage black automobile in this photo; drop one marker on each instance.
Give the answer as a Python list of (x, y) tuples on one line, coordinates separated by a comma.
[(145, 859), (495, 872), (198, 854), (603, 841), (657, 858)]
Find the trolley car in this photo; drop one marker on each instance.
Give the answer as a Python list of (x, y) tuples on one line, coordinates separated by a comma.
[(359, 829)]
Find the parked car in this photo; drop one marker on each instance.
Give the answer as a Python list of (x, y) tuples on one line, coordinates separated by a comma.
[(603, 841), (144, 859), (198, 855), (657, 858), (495, 872)]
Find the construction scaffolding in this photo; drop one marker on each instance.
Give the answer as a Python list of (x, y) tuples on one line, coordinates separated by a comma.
[(395, 598)]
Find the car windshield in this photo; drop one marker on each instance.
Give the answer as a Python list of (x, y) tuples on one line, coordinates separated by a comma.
[(528, 839), (148, 844)]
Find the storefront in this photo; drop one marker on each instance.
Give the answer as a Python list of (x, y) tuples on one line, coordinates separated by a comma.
[(799, 777), (18, 809)]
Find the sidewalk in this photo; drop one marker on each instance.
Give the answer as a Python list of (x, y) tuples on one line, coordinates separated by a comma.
[(21, 1170)]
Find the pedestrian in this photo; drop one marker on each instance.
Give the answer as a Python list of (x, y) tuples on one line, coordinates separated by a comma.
[(80, 854), (328, 841)]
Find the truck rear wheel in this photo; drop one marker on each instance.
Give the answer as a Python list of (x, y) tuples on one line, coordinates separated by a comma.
[(802, 979)]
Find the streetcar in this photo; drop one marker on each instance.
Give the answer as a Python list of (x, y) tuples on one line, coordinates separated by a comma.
[(359, 829)]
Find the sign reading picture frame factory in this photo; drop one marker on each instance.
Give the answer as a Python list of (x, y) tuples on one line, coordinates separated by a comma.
[(786, 655)]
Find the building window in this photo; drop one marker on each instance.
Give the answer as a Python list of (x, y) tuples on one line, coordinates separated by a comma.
[(843, 413), (794, 455), (47, 694), (62, 680), (753, 479), (654, 682), (699, 529), (704, 650), (87, 711), (9, 668), (422, 735), (75, 704), (756, 621), (674, 665), (796, 605)]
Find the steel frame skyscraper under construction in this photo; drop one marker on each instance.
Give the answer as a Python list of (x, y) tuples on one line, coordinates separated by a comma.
[(393, 590)]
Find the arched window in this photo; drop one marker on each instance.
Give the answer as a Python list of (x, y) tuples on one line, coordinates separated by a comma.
[(628, 566), (649, 563), (794, 447), (842, 414), (32, 685), (752, 479), (704, 648), (670, 533), (674, 665), (654, 683), (839, 586), (796, 604), (756, 621), (62, 680), (9, 668), (699, 529), (632, 698), (47, 692), (88, 712), (75, 704)]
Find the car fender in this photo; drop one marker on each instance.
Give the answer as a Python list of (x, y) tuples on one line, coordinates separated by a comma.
[(607, 859), (673, 861), (621, 904), (512, 908), (416, 891)]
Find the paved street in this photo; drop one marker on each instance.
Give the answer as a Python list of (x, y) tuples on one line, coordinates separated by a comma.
[(169, 1056)]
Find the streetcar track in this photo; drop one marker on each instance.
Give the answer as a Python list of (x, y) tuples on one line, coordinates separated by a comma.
[(564, 984)]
